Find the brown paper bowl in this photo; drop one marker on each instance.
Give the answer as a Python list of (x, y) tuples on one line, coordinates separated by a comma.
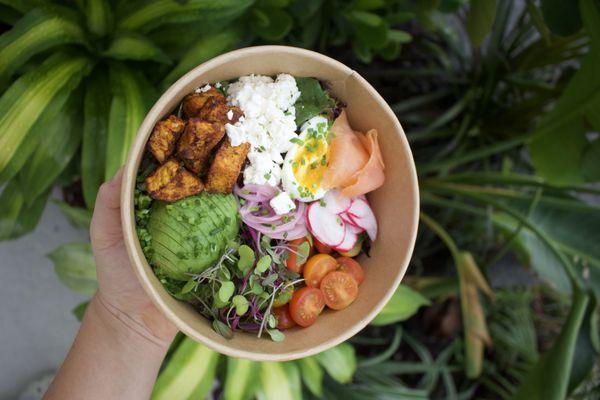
[(396, 204)]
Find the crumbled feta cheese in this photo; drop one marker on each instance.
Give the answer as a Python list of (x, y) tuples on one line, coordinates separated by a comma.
[(218, 85), (230, 115), (203, 89), (268, 125), (282, 203)]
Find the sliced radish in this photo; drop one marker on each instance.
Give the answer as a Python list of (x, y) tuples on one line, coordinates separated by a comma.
[(326, 226), (361, 215), (350, 239), (335, 202), (354, 229), (347, 218)]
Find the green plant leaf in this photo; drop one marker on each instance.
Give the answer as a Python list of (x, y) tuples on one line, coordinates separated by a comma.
[(559, 141), (78, 217), (189, 374), (247, 258), (131, 98), (562, 17), (262, 265), (279, 381), (339, 362), (240, 379), (55, 150), (133, 46), (369, 29), (312, 375), (39, 30), (404, 304), (16, 218), (226, 291), (313, 99), (24, 5), (31, 103), (144, 16), (205, 48), (585, 354), (480, 20), (96, 108), (271, 23), (99, 16), (549, 377), (75, 267), (276, 335), (79, 310), (9, 16), (240, 303), (590, 162)]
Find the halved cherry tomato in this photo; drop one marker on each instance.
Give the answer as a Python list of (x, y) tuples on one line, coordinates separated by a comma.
[(351, 266), (284, 319), (306, 305), (317, 267), (291, 261), (340, 289), (321, 248)]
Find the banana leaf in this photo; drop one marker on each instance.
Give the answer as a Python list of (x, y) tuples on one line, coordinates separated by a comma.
[(279, 381), (241, 379), (312, 375)]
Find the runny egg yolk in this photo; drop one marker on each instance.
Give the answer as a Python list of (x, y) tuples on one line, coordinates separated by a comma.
[(310, 163)]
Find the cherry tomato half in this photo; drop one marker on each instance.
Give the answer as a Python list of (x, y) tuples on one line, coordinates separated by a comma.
[(291, 261), (340, 290), (317, 267), (306, 305), (284, 319), (351, 266), (321, 248)]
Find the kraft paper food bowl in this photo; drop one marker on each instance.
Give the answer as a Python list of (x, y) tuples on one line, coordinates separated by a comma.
[(396, 204)]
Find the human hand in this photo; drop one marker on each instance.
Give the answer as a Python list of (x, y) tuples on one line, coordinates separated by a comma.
[(119, 290)]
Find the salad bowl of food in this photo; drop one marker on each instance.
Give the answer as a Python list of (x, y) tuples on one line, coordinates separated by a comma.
[(270, 203)]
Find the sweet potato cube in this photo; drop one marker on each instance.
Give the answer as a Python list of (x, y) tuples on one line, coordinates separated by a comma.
[(226, 167), (164, 137), (171, 181)]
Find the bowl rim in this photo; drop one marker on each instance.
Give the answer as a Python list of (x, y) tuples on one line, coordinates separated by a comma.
[(137, 258)]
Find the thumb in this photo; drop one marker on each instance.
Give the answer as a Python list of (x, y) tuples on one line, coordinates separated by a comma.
[(106, 228)]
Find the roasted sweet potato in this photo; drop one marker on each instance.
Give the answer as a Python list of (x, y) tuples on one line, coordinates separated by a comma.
[(226, 167), (193, 102), (164, 137), (171, 181), (197, 141)]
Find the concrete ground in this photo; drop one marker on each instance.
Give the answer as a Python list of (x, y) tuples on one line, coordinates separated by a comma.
[(36, 324)]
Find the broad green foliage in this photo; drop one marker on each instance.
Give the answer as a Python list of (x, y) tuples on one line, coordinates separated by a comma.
[(74, 265), (404, 304), (480, 20)]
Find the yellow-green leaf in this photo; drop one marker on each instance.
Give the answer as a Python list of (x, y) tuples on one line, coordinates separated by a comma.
[(404, 304), (241, 379), (75, 267)]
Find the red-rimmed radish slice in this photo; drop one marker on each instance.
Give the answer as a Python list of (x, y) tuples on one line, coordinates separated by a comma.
[(350, 239), (361, 215), (327, 227), (347, 218), (335, 202), (354, 229)]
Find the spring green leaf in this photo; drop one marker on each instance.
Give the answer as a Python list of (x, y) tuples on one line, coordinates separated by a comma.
[(222, 329), (24, 5), (79, 310), (30, 104), (590, 162), (312, 375), (96, 108), (262, 265), (276, 335), (549, 377), (279, 381), (226, 291), (144, 16), (246, 258), (99, 16), (78, 217), (241, 379), (131, 97), (313, 100), (339, 362), (404, 304), (39, 30), (480, 20), (303, 253), (16, 218), (369, 30), (241, 304), (133, 46), (188, 287), (75, 267), (205, 48), (271, 23), (54, 152), (189, 374)]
